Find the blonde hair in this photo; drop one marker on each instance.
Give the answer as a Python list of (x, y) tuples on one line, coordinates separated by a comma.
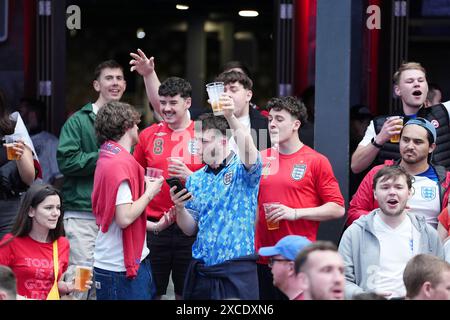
[(407, 66)]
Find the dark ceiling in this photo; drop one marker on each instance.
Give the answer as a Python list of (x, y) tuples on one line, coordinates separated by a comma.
[(133, 12)]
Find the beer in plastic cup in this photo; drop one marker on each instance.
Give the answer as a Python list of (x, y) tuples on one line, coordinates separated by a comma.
[(396, 137), (171, 160), (153, 172), (83, 274), (268, 207), (215, 89), (10, 140)]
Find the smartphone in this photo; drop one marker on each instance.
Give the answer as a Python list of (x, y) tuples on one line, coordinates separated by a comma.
[(173, 181)]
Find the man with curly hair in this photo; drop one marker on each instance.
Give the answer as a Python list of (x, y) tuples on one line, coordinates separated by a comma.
[(301, 182), (119, 198)]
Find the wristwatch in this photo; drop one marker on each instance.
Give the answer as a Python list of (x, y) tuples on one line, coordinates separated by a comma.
[(375, 144)]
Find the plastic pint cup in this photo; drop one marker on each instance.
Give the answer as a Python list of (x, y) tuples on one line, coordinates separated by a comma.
[(215, 89), (396, 137), (153, 173), (10, 140), (83, 274), (268, 207)]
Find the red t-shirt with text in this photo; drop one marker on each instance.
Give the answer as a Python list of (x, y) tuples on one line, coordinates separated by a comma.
[(32, 263)]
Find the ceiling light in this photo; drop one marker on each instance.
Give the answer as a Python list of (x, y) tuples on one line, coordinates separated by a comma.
[(182, 7), (248, 13), (140, 33)]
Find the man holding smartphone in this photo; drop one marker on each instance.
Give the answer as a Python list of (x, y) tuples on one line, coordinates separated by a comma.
[(222, 211)]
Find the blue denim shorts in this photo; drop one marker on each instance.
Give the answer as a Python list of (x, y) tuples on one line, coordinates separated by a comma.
[(112, 285)]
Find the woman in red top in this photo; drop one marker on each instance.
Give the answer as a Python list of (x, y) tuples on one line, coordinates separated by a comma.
[(28, 249)]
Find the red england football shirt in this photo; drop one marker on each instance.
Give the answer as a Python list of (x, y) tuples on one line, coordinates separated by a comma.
[(303, 179), (156, 144)]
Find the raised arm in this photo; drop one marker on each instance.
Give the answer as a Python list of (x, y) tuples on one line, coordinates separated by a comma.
[(146, 68), (248, 153)]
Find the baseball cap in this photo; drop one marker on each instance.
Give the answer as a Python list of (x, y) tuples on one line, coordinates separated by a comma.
[(288, 247), (424, 123)]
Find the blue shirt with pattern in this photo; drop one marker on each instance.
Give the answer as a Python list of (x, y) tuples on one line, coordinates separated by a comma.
[(224, 207)]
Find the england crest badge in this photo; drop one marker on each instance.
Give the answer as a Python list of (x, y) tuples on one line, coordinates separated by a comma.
[(428, 193), (227, 178), (298, 172), (193, 147)]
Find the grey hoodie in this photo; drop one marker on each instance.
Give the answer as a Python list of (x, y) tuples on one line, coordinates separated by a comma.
[(360, 249)]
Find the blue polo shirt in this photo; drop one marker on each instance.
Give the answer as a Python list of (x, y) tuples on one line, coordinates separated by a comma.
[(224, 206)]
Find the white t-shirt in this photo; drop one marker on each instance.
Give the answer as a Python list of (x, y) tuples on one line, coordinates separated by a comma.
[(446, 248), (95, 108), (108, 252), (425, 200), (370, 131), (397, 246)]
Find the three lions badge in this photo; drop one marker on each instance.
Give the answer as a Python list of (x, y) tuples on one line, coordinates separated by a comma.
[(298, 172)]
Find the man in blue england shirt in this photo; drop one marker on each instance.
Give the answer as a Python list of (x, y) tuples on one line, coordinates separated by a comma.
[(222, 211)]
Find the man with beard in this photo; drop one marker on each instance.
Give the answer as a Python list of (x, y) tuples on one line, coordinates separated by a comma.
[(222, 212), (320, 269), (377, 247), (431, 182), (410, 85)]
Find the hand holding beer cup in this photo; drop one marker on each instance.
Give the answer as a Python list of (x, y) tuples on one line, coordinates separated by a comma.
[(14, 146), (268, 213), (398, 126), (177, 168), (227, 104), (153, 173), (215, 89), (83, 276)]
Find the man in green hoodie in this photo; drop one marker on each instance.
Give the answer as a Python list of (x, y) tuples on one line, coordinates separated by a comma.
[(77, 156)]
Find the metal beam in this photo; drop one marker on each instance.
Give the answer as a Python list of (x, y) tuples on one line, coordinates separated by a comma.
[(58, 73), (195, 59), (332, 98)]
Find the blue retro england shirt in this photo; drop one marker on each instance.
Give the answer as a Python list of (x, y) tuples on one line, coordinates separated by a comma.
[(224, 206)]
